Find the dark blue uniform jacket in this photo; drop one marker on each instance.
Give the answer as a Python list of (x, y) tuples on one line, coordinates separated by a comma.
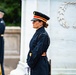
[(2, 28), (39, 43)]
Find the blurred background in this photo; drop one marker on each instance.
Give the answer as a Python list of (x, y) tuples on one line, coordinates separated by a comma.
[(12, 19), (13, 12)]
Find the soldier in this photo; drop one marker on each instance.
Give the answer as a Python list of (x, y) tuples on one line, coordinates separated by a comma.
[(2, 29), (37, 55)]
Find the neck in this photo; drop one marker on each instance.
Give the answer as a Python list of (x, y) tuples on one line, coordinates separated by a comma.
[(39, 27)]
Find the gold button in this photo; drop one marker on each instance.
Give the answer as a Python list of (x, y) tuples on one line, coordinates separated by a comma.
[(30, 54), (2, 35)]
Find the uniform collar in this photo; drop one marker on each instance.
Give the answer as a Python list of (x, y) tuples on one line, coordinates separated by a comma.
[(40, 29)]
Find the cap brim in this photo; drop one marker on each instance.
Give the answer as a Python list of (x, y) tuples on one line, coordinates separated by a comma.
[(34, 19)]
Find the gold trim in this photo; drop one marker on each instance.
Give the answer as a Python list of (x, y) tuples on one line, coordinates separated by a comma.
[(0, 70)]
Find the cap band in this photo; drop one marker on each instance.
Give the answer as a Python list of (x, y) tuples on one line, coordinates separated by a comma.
[(40, 18)]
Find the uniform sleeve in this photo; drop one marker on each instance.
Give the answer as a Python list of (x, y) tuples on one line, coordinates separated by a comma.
[(41, 47)]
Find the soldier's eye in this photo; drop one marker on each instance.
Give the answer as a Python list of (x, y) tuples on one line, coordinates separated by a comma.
[(34, 21)]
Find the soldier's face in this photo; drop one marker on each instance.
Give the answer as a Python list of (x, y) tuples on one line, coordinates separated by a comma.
[(1, 15), (37, 24)]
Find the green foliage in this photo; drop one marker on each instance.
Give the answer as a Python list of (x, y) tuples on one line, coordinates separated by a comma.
[(13, 12)]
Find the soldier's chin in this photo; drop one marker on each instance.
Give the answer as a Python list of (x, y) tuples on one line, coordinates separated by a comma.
[(35, 27)]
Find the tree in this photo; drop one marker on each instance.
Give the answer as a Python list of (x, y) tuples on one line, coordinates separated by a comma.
[(13, 12)]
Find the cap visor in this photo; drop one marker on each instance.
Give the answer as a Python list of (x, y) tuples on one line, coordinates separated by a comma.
[(34, 19)]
